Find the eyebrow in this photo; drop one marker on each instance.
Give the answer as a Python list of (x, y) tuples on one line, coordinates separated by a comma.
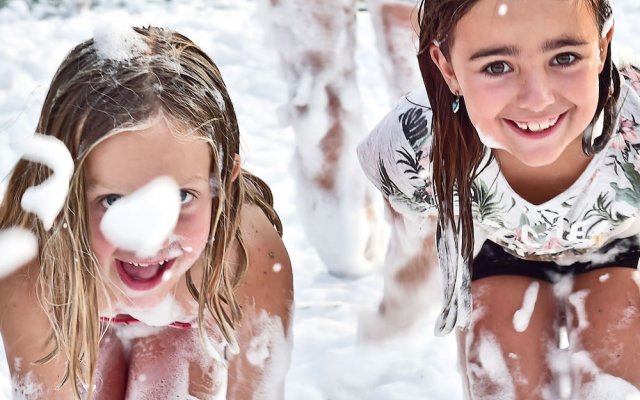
[(549, 45), (97, 185)]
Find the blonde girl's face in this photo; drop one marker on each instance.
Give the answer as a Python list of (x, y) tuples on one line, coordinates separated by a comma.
[(123, 164), (528, 72)]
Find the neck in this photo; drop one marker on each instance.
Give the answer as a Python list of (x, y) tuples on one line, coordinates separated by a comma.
[(540, 184)]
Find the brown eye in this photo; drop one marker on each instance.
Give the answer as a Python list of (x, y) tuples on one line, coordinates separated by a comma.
[(565, 59), (497, 68)]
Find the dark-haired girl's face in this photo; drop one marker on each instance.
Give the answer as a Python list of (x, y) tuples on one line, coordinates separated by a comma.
[(528, 71)]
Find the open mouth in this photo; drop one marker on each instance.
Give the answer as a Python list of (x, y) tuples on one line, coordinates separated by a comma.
[(537, 129), (143, 276), (126, 319)]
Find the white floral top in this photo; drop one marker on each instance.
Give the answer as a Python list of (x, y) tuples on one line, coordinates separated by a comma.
[(602, 204)]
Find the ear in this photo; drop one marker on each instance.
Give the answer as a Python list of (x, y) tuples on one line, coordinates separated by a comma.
[(236, 167), (604, 46), (445, 67)]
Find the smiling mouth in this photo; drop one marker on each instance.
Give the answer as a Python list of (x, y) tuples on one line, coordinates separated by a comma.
[(143, 276), (536, 128)]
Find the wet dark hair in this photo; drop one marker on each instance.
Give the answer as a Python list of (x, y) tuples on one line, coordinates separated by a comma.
[(457, 151)]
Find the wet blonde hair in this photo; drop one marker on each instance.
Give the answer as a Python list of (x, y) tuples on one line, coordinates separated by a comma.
[(90, 98)]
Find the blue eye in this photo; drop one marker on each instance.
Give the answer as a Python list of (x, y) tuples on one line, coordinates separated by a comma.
[(185, 197), (108, 200), (497, 68)]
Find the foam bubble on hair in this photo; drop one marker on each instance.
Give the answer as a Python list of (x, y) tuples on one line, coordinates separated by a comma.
[(118, 42), (214, 186), (219, 99)]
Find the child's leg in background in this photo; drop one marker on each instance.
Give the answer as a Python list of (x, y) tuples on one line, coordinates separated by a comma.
[(395, 24), (411, 286), (316, 42)]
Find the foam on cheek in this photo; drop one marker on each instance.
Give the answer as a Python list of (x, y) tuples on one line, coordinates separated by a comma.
[(488, 140), (269, 350)]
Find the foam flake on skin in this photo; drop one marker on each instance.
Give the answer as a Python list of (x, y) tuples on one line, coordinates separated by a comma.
[(18, 246), (603, 278), (26, 387), (601, 385), (142, 221), (47, 199), (269, 351), (491, 367), (163, 314), (277, 267), (522, 317), (117, 42), (577, 300), (503, 9)]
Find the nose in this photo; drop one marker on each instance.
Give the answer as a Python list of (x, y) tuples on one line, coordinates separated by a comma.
[(536, 92)]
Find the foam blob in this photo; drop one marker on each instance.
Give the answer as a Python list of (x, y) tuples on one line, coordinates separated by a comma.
[(47, 199), (163, 314), (118, 42), (18, 246), (522, 317), (503, 9), (144, 220)]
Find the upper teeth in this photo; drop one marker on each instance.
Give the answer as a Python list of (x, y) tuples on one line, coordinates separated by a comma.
[(537, 126), (161, 263)]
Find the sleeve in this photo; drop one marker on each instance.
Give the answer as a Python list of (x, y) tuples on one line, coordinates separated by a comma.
[(395, 156)]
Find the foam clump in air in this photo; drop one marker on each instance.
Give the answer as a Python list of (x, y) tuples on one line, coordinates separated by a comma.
[(17, 246), (47, 199), (144, 220), (118, 42)]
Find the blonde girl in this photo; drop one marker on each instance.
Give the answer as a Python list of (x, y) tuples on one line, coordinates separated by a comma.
[(209, 310), (516, 172)]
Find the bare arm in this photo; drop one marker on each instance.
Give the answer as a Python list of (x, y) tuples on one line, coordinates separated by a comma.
[(266, 298), (25, 329)]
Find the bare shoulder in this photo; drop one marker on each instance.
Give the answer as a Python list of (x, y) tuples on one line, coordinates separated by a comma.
[(25, 328), (268, 282)]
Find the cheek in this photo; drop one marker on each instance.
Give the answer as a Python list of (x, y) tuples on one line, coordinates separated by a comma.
[(99, 244), (193, 228)]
